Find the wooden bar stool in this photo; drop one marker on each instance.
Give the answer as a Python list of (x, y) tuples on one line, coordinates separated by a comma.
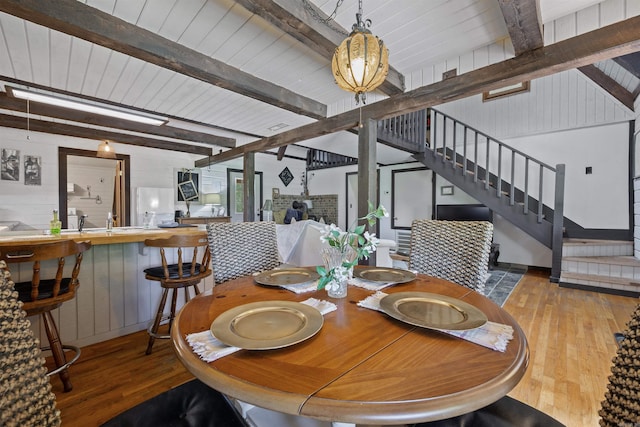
[(41, 296), (182, 274)]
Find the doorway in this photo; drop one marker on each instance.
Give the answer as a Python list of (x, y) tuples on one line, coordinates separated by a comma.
[(105, 186), (412, 196), (352, 198), (235, 195)]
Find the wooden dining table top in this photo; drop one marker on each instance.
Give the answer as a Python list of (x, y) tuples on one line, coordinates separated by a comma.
[(363, 366)]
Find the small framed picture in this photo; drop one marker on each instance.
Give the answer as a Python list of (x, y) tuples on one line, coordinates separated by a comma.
[(506, 91), (275, 192), (188, 190), (446, 190)]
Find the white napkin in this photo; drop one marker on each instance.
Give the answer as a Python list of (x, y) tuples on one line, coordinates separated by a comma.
[(301, 288), (371, 285), (368, 284), (210, 348), (492, 335)]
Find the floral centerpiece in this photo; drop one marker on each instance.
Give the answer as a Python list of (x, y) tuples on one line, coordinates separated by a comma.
[(345, 250)]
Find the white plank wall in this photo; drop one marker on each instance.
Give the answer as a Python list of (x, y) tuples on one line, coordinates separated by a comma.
[(114, 298)]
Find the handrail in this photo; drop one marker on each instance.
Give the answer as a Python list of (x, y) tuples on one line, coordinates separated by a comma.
[(504, 181), (441, 122)]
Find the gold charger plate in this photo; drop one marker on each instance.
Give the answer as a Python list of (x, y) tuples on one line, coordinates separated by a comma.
[(286, 276), (432, 311), (267, 325), (384, 275)]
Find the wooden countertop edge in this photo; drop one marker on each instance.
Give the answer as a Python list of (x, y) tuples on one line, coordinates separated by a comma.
[(102, 238)]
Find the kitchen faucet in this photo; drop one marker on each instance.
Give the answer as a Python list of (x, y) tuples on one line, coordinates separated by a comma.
[(81, 223)]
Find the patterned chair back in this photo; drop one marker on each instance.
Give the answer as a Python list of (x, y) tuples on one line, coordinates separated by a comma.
[(26, 398), (622, 404), (453, 250), (242, 248)]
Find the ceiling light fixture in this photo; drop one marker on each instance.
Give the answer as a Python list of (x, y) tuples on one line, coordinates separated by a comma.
[(278, 127), (106, 151), (361, 62), (83, 106)]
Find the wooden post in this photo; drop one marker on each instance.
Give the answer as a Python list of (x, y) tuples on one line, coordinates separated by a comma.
[(248, 179), (367, 173)]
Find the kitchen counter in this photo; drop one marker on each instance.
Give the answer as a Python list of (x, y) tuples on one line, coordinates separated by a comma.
[(114, 297), (97, 236)]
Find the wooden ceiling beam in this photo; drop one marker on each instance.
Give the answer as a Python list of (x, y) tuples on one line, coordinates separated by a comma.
[(604, 43), (34, 125), (14, 104), (301, 20), (79, 20), (524, 24), (281, 152), (612, 87)]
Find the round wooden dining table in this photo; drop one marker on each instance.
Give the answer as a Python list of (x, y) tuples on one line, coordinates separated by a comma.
[(363, 366)]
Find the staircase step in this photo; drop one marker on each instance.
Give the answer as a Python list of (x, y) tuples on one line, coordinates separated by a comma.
[(628, 286), (595, 248), (616, 266)]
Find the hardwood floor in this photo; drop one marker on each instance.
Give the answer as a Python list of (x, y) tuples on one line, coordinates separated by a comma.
[(570, 335)]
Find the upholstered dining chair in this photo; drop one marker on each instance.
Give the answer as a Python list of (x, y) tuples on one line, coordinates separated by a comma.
[(453, 250), (192, 404), (26, 399), (43, 295), (242, 248), (183, 274)]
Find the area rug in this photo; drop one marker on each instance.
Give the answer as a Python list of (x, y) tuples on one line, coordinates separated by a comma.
[(502, 280)]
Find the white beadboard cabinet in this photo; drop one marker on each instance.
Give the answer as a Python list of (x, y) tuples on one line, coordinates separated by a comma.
[(114, 298)]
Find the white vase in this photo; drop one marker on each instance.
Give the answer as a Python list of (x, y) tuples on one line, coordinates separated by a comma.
[(333, 257)]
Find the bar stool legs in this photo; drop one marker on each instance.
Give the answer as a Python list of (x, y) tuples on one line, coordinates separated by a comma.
[(161, 318), (57, 351)]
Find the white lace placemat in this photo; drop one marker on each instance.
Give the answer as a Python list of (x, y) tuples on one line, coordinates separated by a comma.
[(492, 335), (209, 348)]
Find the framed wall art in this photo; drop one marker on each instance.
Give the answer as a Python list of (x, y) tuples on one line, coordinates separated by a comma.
[(10, 164), (32, 170), (506, 91), (446, 190), (192, 189)]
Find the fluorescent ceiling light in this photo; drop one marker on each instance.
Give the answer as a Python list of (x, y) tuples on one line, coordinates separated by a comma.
[(278, 126), (81, 106)]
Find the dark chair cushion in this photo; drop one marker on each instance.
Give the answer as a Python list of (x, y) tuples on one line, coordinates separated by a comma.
[(193, 404), (506, 412), (45, 289), (173, 271)]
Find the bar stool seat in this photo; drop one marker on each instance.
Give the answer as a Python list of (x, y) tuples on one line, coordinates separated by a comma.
[(181, 275), (42, 296)]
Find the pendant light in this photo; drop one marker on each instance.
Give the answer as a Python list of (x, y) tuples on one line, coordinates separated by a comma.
[(106, 151), (361, 62)]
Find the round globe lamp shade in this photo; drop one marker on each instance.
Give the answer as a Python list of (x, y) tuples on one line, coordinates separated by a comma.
[(361, 63), (106, 151)]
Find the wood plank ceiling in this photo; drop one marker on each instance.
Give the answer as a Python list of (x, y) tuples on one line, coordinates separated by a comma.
[(227, 73)]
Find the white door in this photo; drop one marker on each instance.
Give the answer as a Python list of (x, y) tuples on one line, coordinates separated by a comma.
[(412, 196), (352, 199), (235, 209)]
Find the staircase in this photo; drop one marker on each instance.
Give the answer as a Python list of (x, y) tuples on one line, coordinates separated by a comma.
[(485, 168), (602, 264)]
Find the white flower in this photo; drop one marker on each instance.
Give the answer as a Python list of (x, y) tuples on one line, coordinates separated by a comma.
[(384, 211)]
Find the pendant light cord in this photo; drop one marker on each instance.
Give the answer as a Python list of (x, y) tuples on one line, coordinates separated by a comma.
[(28, 136)]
